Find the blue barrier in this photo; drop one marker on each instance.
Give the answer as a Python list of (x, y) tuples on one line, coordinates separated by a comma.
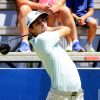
[(34, 84), (23, 84), (90, 79)]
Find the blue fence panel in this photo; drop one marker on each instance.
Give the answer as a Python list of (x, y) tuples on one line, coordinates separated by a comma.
[(90, 83), (23, 84), (34, 84)]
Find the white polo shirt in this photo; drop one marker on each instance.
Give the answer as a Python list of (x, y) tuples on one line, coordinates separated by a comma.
[(61, 69)]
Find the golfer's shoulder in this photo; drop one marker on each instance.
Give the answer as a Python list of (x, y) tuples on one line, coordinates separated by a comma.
[(42, 37)]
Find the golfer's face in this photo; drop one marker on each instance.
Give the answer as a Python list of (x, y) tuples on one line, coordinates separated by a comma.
[(40, 25)]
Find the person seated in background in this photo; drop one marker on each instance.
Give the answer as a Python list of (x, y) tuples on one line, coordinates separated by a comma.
[(24, 7), (52, 18), (54, 10), (65, 79), (82, 11)]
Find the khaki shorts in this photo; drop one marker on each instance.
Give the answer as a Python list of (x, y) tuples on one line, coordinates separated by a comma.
[(56, 95)]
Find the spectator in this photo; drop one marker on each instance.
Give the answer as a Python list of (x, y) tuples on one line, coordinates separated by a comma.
[(65, 80), (25, 6), (63, 15), (82, 10), (52, 18)]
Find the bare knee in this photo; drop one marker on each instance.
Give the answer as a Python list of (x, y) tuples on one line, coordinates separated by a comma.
[(65, 10), (24, 10), (93, 24)]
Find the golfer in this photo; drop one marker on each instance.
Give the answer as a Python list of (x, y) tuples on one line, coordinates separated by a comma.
[(65, 80)]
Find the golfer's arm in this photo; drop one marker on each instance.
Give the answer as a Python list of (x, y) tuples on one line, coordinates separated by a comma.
[(62, 30)]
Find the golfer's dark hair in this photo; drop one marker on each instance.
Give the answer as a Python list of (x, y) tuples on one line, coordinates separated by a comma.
[(31, 25)]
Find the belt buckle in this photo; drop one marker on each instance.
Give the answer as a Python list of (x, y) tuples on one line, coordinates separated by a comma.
[(74, 93)]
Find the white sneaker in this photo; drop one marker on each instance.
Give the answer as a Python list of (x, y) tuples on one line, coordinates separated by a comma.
[(88, 48), (69, 48)]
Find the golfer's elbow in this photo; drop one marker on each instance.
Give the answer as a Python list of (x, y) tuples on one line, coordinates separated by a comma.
[(64, 31), (67, 31)]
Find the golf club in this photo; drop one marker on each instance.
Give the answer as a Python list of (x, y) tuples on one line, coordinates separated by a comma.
[(5, 47)]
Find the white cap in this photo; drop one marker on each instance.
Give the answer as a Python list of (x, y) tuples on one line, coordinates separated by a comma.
[(32, 16)]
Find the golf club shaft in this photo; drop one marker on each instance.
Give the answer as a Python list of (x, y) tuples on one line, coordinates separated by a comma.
[(17, 38)]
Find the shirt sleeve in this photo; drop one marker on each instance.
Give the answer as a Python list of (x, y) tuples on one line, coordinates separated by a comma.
[(53, 38), (47, 39), (90, 3)]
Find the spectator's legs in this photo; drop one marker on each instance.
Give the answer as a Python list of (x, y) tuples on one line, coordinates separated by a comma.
[(23, 11), (92, 30), (92, 24), (51, 20), (59, 20), (69, 21)]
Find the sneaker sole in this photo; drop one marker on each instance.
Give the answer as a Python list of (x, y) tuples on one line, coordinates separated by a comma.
[(68, 50), (24, 51), (79, 51)]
